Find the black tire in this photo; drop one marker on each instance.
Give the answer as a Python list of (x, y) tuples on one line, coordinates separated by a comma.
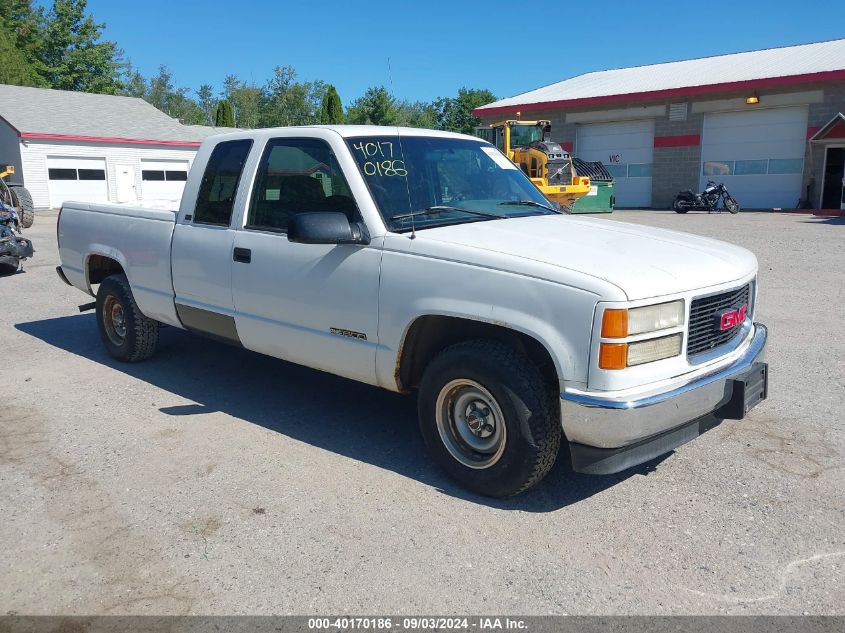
[(677, 207), (731, 205), (530, 417), (25, 206), (137, 336)]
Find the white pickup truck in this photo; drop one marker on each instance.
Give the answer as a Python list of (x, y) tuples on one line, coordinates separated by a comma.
[(416, 260)]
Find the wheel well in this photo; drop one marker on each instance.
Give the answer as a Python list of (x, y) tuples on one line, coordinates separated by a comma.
[(429, 335), (100, 267)]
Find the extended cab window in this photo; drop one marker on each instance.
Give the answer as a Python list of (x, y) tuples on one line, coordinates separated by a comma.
[(295, 176), (219, 184)]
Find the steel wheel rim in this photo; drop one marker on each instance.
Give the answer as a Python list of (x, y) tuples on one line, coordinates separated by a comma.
[(470, 423), (114, 320)]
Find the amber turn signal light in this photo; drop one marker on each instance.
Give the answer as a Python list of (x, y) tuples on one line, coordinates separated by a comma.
[(613, 355), (614, 324)]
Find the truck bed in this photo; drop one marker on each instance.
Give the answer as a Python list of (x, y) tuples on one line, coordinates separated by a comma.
[(137, 237)]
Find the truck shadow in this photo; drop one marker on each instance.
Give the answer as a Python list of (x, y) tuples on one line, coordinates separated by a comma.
[(343, 416)]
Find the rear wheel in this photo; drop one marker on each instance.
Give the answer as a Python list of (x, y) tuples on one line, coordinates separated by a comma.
[(731, 205), (488, 418), (127, 334), (24, 205), (678, 208)]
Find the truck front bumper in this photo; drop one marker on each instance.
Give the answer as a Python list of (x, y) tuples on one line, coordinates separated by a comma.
[(608, 434)]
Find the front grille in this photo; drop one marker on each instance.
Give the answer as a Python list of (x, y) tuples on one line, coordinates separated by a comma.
[(704, 319)]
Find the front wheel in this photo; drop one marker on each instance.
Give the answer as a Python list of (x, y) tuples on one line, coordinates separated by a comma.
[(127, 334), (731, 205), (25, 205), (488, 418)]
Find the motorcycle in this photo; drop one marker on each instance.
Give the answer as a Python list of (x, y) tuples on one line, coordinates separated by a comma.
[(708, 200), (13, 248)]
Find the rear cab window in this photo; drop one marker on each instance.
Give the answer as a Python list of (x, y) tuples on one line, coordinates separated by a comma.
[(219, 185)]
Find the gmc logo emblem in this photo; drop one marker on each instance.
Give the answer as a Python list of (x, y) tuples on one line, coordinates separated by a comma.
[(731, 319)]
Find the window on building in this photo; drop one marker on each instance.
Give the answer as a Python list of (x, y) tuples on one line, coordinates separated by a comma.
[(786, 166), (639, 170), (55, 173), (219, 184), (750, 167), (152, 174), (92, 174), (296, 176), (617, 170), (176, 176), (718, 167)]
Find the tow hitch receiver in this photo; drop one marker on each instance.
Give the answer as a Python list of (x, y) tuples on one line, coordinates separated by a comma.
[(748, 389)]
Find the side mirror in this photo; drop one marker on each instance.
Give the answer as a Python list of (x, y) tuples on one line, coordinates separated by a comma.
[(326, 228)]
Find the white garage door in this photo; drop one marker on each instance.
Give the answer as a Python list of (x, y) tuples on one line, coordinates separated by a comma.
[(759, 155), (78, 179), (163, 179), (626, 148)]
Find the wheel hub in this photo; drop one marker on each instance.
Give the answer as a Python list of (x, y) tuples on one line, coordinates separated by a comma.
[(470, 423)]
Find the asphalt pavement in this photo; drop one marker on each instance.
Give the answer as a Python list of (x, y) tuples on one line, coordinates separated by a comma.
[(212, 480)]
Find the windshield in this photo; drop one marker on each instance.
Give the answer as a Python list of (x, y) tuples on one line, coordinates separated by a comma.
[(428, 173), (523, 135)]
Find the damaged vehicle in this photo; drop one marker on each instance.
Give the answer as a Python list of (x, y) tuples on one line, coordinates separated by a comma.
[(13, 247)]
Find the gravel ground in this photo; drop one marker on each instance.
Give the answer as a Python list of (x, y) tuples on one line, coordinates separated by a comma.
[(210, 480)]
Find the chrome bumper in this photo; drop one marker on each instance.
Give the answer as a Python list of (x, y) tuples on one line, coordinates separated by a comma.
[(612, 423)]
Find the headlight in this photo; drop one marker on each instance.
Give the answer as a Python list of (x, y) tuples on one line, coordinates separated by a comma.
[(622, 323), (654, 349)]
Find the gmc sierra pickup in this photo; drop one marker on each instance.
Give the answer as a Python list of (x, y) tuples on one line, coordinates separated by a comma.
[(416, 260)]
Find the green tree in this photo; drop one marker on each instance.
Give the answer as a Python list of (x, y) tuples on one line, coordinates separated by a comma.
[(22, 37), (331, 110), (455, 113), (134, 84), (224, 116), (376, 107), (15, 68), (74, 56), (246, 101), (417, 114), (207, 103), (286, 101)]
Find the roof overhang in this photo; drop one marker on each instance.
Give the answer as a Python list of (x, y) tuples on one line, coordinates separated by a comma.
[(105, 139), (833, 129), (669, 94)]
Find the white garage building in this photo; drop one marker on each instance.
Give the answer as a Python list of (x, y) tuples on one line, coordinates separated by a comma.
[(94, 148), (766, 123)]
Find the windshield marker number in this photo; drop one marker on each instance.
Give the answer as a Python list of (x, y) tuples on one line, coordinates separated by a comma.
[(378, 161)]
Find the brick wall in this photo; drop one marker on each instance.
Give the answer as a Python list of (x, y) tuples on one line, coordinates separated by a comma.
[(675, 168)]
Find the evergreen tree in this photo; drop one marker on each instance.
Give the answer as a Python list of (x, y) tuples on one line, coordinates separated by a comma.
[(224, 116), (331, 110)]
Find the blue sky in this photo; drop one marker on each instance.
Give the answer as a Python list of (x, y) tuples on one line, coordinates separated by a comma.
[(435, 47)]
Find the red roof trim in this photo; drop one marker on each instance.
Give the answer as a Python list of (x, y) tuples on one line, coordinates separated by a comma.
[(812, 130), (681, 140), (107, 139), (671, 93)]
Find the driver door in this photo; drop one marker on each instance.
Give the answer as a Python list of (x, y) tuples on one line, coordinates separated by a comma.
[(312, 304)]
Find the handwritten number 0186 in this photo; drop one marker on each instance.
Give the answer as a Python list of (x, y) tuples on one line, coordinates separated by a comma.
[(385, 168)]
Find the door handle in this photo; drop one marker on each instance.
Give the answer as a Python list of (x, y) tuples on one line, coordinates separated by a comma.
[(243, 255)]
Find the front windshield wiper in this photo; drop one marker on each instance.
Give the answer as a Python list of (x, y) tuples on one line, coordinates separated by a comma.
[(528, 203), (435, 210)]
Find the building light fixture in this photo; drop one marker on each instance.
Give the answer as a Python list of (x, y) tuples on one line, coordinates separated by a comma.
[(753, 99)]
